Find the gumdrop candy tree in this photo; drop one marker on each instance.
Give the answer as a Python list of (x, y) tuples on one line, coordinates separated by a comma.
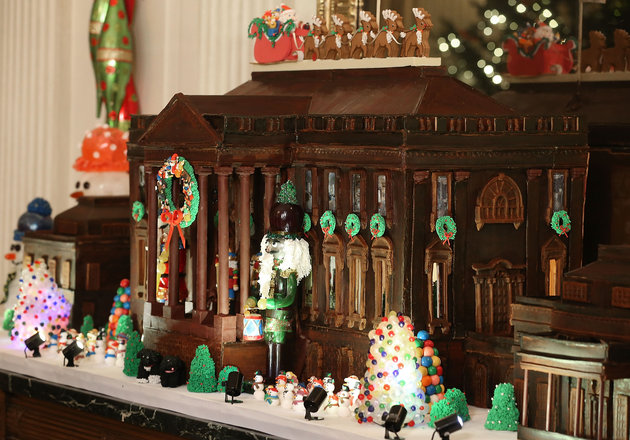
[(202, 372), (120, 307), (393, 375), (454, 402), (504, 414), (88, 324), (40, 306), (132, 362), (223, 376), (431, 368)]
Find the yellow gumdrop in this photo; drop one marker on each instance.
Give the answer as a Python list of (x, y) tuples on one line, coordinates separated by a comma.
[(250, 303), (262, 303)]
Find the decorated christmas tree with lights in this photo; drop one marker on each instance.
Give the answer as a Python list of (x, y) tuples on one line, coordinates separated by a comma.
[(132, 362), (504, 414), (41, 306), (202, 372), (393, 375)]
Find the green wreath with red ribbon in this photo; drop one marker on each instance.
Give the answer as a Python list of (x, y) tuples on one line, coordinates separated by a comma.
[(446, 228), (561, 228), (377, 226), (353, 225), (184, 216), (328, 223)]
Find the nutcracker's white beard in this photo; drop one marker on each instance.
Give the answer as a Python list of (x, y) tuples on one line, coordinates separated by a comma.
[(294, 255)]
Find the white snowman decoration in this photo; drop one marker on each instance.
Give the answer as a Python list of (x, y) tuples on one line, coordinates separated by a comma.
[(103, 164), (259, 386)]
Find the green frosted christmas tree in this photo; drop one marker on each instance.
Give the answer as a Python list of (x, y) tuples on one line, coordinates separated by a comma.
[(223, 376), (88, 324), (134, 345), (7, 324), (454, 402), (124, 326), (202, 374), (504, 414)]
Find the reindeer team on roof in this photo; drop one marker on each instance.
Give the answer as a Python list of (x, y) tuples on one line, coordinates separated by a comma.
[(392, 40)]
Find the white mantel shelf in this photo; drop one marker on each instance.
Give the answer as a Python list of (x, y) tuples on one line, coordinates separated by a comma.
[(251, 414), (366, 63)]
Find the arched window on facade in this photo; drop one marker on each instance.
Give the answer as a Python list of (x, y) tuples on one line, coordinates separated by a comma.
[(382, 264), (553, 259), (332, 250), (357, 259), (437, 266), (500, 201)]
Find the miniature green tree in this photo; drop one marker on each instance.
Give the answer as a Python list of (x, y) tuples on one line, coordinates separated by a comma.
[(223, 376), (504, 414), (88, 324), (456, 397), (134, 345), (454, 402), (439, 410), (202, 372), (7, 324), (124, 326)]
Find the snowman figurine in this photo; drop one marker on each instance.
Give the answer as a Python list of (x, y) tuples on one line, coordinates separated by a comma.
[(259, 386), (281, 383), (121, 350), (90, 348), (343, 397), (62, 341), (298, 402), (110, 352), (99, 352), (288, 396), (103, 164), (36, 218), (271, 396), (354, 387)]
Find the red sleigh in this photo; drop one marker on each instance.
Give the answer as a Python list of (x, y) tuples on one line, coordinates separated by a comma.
[(544, 57), (286, 48)]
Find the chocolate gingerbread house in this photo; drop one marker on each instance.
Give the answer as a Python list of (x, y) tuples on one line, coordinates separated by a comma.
[(409, 143)]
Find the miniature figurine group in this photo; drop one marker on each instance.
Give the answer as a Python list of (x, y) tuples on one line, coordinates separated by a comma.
[(280, 39)]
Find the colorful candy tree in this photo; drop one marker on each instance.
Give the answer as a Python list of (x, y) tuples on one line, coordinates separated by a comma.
[(120, 307), (202, 372), (431, 368), (504, 414), (393, 375), (41, 306)]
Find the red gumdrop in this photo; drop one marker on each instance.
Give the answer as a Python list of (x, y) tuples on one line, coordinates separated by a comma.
[(125, 283)]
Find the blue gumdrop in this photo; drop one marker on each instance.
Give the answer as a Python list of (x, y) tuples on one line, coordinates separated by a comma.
[(430, 390), (126, 305), (112, 310), (395, 373), (423, 335), (413, 408), (401, 324), (379, 375), (441, 379), (381, 337), (371, 409), (383, 353), (372, 341), (374, 362), (426, 361), (117, 298)]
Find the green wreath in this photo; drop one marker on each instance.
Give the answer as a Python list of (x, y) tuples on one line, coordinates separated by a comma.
[(353, 225), (307, 224), (377, 225), (137, 211), (445, 228), (328, 222), (177, 166), (566, 222)]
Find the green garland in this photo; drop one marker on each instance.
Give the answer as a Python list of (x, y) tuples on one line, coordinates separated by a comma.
[(137, 211), (262, 29), (307, 224), (377, 226), (566, 222), (177, 166), (446, 228), (328, 222), (5, 289), (353, 225)]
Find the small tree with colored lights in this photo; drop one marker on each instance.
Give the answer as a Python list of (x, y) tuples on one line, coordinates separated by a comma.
[(202, 372), (132, 362), (393, 375), (504, 414)]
